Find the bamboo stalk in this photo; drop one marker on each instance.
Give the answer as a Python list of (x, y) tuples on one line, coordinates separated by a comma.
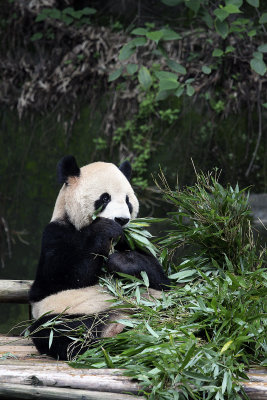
[(64, 376), (14, 291), (30, 392), (255, 390), (14, 340)]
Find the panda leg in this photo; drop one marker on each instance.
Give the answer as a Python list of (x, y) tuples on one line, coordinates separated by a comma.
[(85, 330)]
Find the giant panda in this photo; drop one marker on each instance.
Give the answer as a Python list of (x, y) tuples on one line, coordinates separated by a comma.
[(65, 292)]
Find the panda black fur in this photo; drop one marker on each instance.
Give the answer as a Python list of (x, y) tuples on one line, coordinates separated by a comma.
[(74, 249)]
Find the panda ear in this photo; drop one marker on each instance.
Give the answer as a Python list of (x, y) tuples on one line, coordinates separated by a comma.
[(67, 167), (126, 169)]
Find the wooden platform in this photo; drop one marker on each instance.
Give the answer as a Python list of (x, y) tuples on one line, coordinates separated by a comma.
[(25, 374)]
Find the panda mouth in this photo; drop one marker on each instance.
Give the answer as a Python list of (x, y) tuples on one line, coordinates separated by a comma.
[(122, 221)]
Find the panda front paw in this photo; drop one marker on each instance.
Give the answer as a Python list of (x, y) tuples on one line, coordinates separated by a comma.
[(123, 262), (133, 262), (107, 227)]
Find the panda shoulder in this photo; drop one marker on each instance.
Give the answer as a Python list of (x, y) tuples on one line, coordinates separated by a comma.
[(55, 231)]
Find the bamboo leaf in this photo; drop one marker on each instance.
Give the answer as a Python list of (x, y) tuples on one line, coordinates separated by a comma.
[(145, 278), (226, 346), (150, 330), (51, 336)]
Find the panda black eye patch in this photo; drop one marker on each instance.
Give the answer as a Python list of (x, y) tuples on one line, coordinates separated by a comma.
[(129, 204), (103, 201)]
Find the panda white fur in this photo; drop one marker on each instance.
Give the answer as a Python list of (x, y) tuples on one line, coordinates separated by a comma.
[(74, 249)]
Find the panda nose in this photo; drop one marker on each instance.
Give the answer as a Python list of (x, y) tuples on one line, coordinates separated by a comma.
[(122, 221)]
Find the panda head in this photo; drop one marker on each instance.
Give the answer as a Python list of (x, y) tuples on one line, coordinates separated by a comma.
[(97, 186)]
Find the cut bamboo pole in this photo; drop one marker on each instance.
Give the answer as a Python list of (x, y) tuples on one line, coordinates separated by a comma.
[(31, 392), (63, 376), (255, 390), (14, 291)]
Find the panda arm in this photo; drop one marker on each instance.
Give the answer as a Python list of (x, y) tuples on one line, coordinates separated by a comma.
[(133, 262), (71, 258)]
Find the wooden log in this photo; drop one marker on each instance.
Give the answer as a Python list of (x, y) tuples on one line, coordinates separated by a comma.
[(63, 376), (14, 340), (258, 374), (32, 392), (255, 390), (18, 351), (14, 291)]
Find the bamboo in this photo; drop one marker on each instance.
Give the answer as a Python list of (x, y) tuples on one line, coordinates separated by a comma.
[(59, 375), (14, 291), (30, 392), (63, 376), (255, 390), (14, 340)]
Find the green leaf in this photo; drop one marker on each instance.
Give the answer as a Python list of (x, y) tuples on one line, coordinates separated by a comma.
[(263, 48), (190, 90), (126, 52), (183, 274), (36, 36), (97, 212), (115, 74), (263, 18), (252, 33), (206, 70), (41, 17), (222, 28), (163, 94), (150, 330), (217, 53), (258, 55), (88, 11), (145, 278), (187, 357), (224, 382), (176, 67), (155, 35), (167, 84), (166, 75), (221, 14), (132, 68), (226, 346), (197, 376), (231, 9), (138, 41), (107, 358), (144, 77), (178, 93), (193, 5), (139, 31), (258, 66), (169, 34), (229, 49), (55, 13), (207, 19), (254, 3), (68, 10), (67, 19), (264, 105), (137, 294)]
